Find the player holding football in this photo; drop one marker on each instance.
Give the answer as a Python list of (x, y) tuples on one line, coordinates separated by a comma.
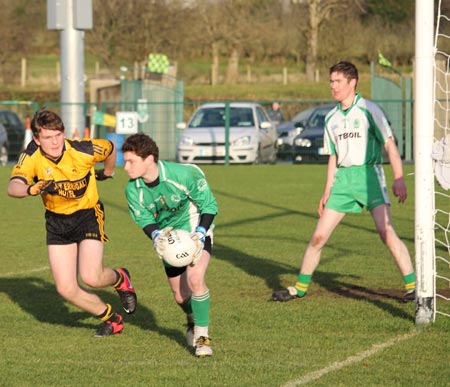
[(355, 132), (162, 195), (62, 172)]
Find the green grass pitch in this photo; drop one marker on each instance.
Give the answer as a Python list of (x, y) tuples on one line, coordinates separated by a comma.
[(351, 329)]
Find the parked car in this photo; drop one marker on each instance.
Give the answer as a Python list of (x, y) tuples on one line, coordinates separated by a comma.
[(15, 132), (252, 136), (288, 130), (308, 145)]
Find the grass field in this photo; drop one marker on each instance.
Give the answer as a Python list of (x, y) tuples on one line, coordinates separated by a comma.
[(351, 329)]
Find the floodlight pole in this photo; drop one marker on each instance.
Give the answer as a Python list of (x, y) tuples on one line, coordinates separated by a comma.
[(71, 18)]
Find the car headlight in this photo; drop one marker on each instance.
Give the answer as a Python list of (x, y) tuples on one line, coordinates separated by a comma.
[(242, 141), (305, 142), (186, 141)]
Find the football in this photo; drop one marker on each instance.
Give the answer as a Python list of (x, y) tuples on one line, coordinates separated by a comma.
[(179, 249)]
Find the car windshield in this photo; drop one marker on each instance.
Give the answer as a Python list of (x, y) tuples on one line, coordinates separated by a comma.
[(215, 117), (9, 119), (303, 115), (317, 119)]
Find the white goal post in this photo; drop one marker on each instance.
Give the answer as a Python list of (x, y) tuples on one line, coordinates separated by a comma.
[(423, 163), (432, 159)]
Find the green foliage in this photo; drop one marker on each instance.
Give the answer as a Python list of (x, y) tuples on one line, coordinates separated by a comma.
[(346, 332)]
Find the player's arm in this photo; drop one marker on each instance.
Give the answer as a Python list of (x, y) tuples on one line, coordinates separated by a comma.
[(17, 188), (110, 162), (150, 229), (399, 186), (206, 221), (104, 148)]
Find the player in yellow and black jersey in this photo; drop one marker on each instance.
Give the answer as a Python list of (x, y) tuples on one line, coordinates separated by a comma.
[(62, 172)]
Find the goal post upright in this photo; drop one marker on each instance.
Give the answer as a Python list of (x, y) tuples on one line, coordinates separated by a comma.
[(423, 163)]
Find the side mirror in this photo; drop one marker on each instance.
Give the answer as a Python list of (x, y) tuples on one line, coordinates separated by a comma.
[(265, 125), (181, 125)]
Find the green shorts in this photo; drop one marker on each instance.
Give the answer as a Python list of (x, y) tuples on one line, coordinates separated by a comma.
[(358, 187)]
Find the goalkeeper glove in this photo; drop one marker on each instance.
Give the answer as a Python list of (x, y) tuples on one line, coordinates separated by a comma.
[(100, 175), (41, 187), (160, 240), (199, 238)]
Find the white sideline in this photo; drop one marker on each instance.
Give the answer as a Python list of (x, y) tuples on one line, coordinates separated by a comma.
[(350, 360), (11, 274)]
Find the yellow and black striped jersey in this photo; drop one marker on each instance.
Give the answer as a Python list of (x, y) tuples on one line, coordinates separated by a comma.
[(75, 187)]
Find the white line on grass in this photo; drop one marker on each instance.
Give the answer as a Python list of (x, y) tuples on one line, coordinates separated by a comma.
[(350, 360), (13, 274)]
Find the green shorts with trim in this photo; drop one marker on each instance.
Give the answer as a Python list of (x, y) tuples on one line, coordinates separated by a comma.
[(357, 187)]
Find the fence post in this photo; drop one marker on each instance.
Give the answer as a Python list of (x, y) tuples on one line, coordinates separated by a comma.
[(227, 133)]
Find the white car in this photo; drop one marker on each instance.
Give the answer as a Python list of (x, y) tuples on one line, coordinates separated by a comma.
[(252, 137)]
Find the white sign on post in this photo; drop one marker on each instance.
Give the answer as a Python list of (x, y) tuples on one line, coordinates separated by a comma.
[(142, 110), (126, 122)]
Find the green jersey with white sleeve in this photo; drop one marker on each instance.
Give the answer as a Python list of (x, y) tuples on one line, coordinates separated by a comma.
[(177, 200), (357, 134)]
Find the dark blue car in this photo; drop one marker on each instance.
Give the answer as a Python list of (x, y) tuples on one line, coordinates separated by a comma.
[(308, 145)]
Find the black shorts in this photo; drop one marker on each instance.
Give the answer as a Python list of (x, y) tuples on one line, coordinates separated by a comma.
[(176, 271), (74, 228)]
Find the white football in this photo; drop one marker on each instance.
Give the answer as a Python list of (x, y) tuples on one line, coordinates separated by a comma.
[(179, 248)]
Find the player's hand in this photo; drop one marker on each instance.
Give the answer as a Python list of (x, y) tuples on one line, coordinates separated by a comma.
[(322, 203), (100, 175), (399, 189), (160, 240), (41, 187), (198, 237)]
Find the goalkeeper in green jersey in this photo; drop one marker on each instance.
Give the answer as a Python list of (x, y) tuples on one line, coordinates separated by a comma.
[(356, 131), (162, 195)]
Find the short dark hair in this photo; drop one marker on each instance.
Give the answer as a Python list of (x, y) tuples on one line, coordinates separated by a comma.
[(347, 68), (46, 119), (142, 145)]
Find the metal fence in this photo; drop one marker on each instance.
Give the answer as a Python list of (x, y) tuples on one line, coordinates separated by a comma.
[(159, 117)]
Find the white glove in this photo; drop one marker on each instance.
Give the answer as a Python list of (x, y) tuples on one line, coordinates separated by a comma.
[(199, 238), (160, 240)]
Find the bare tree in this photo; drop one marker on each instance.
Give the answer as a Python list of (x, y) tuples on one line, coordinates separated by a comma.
[(16, 36), (318, 12), (111, 19)]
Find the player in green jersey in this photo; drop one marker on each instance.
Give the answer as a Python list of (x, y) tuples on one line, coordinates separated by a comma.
[(356, 131), (61, 172), (163, 194)]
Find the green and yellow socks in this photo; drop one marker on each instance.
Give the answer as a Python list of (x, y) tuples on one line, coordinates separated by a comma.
[(302, 284), (410, 282), (303, 281)]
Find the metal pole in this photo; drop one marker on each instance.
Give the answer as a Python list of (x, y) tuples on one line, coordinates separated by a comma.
[(72, 74)]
